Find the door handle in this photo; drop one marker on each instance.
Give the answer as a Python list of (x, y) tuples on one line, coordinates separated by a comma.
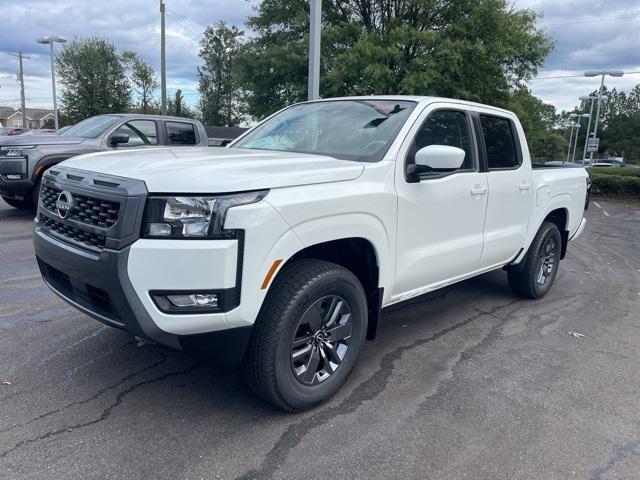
[(478, 190), (524, 187)]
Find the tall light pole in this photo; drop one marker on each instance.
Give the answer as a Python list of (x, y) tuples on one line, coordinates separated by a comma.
[(602, 73), (584, 98), (315, 26), (163, 66), (573, 115), (50, 41), (575, 142)]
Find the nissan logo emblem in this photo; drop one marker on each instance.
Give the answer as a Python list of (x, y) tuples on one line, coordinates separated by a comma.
[(64, 204)]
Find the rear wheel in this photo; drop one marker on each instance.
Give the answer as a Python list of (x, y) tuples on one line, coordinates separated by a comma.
[(308, 335), (541, 264)]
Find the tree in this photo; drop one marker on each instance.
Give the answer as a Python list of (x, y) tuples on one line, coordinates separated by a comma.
[(93, 75), (221, 101), (472, 49), (178, 108), (539, 121), (144, 81)]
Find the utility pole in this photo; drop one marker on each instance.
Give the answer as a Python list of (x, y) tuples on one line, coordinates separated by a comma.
[(315, 27), (22, 102), (570, 138), (163, 67)]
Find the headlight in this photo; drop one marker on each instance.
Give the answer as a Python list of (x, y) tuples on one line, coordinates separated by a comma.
[(191, 216)]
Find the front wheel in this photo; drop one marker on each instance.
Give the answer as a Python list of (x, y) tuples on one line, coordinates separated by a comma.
[(541, 264), (308, 335)]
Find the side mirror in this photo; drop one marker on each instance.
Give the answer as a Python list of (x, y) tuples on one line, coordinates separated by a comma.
[(118, 138), (440, 157)]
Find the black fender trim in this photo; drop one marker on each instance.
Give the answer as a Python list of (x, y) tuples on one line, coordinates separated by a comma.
[(375, 309)]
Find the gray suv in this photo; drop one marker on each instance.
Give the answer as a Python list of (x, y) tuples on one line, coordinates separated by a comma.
[(23, 159)]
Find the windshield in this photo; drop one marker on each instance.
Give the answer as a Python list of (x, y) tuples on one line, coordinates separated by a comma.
[(91, 127), (347, 129)]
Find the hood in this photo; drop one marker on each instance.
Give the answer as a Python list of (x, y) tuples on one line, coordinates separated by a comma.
[(217, 170), (50, 139)]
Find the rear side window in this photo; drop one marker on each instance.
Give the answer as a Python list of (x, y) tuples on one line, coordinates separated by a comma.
[(499, 142), (179, 133)]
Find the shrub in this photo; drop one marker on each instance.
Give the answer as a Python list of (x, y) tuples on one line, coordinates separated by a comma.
[(618, 185), (623, 172)]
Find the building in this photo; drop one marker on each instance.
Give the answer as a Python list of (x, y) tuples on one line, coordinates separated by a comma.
[(36, 117)]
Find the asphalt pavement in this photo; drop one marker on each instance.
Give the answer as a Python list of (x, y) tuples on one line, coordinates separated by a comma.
[(465, 383)]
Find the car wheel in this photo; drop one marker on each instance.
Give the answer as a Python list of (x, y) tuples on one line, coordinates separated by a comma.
[(308, 335), (541, 264)]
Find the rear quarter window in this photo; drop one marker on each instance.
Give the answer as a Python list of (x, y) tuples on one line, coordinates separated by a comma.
[(179, 133), (499, 140)]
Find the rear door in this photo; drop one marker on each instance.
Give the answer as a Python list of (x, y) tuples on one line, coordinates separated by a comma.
[(441, 216), (509, 178)]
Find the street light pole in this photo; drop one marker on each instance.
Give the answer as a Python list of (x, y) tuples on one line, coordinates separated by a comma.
[(163, 67), (50, 41), (573, 115), (315, 26), (603, 73)]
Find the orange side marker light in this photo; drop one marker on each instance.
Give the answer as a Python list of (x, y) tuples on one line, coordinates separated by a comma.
[(272, 270)]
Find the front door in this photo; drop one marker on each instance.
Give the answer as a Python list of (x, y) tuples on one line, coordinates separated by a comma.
[(440, 217)]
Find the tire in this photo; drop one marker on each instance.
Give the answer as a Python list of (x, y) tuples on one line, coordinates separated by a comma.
[(298, 376), (19, 204), (541, 264)]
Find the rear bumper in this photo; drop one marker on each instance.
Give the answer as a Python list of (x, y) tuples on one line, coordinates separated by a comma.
[(100, 285)]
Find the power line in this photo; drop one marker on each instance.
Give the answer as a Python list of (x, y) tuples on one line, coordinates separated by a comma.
[(574, 76), (598, 20), (187, 28)]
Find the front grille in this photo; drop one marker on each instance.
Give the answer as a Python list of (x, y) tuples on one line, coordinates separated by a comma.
[(91, 211), (87, 239)]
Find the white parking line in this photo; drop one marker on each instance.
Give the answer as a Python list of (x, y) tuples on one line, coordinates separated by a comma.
[(606, 214)]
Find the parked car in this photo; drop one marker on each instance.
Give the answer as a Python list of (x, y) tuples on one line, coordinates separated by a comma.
[(10, 131), (63, 129), (223, 136), (23, 160), (279, 252), (605, 164)]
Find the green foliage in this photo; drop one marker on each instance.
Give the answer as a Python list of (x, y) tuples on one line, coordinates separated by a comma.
[(221, 101), (144, 81), (93, 75), (470, 49), (615, 185), (622, 137), (622, 172), (538, 119), (177, 107)]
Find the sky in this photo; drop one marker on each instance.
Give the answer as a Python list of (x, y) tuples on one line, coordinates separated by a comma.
[(589, 34)]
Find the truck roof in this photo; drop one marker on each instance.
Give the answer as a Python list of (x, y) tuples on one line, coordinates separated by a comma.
[(413, 98), (150, 116)]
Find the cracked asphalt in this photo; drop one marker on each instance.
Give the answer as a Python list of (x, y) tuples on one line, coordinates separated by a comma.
[(465, 383)]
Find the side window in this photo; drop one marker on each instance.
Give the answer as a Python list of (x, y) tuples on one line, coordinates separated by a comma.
[(141, 132), (445, 127), (499, 142), (180, 133)]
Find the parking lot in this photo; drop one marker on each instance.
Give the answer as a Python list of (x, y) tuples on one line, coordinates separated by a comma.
[(468, 382)]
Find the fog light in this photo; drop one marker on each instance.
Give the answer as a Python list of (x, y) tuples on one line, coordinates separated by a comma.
[(160, 229), (204, 300)]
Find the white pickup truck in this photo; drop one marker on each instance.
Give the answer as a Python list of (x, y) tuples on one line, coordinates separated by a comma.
[(279, 252)]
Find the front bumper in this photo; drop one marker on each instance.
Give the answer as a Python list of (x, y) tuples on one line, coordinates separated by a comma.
[(113, 287), (14, 188)]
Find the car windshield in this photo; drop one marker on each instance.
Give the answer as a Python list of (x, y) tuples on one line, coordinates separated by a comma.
[(347, 129), (91, 127)]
